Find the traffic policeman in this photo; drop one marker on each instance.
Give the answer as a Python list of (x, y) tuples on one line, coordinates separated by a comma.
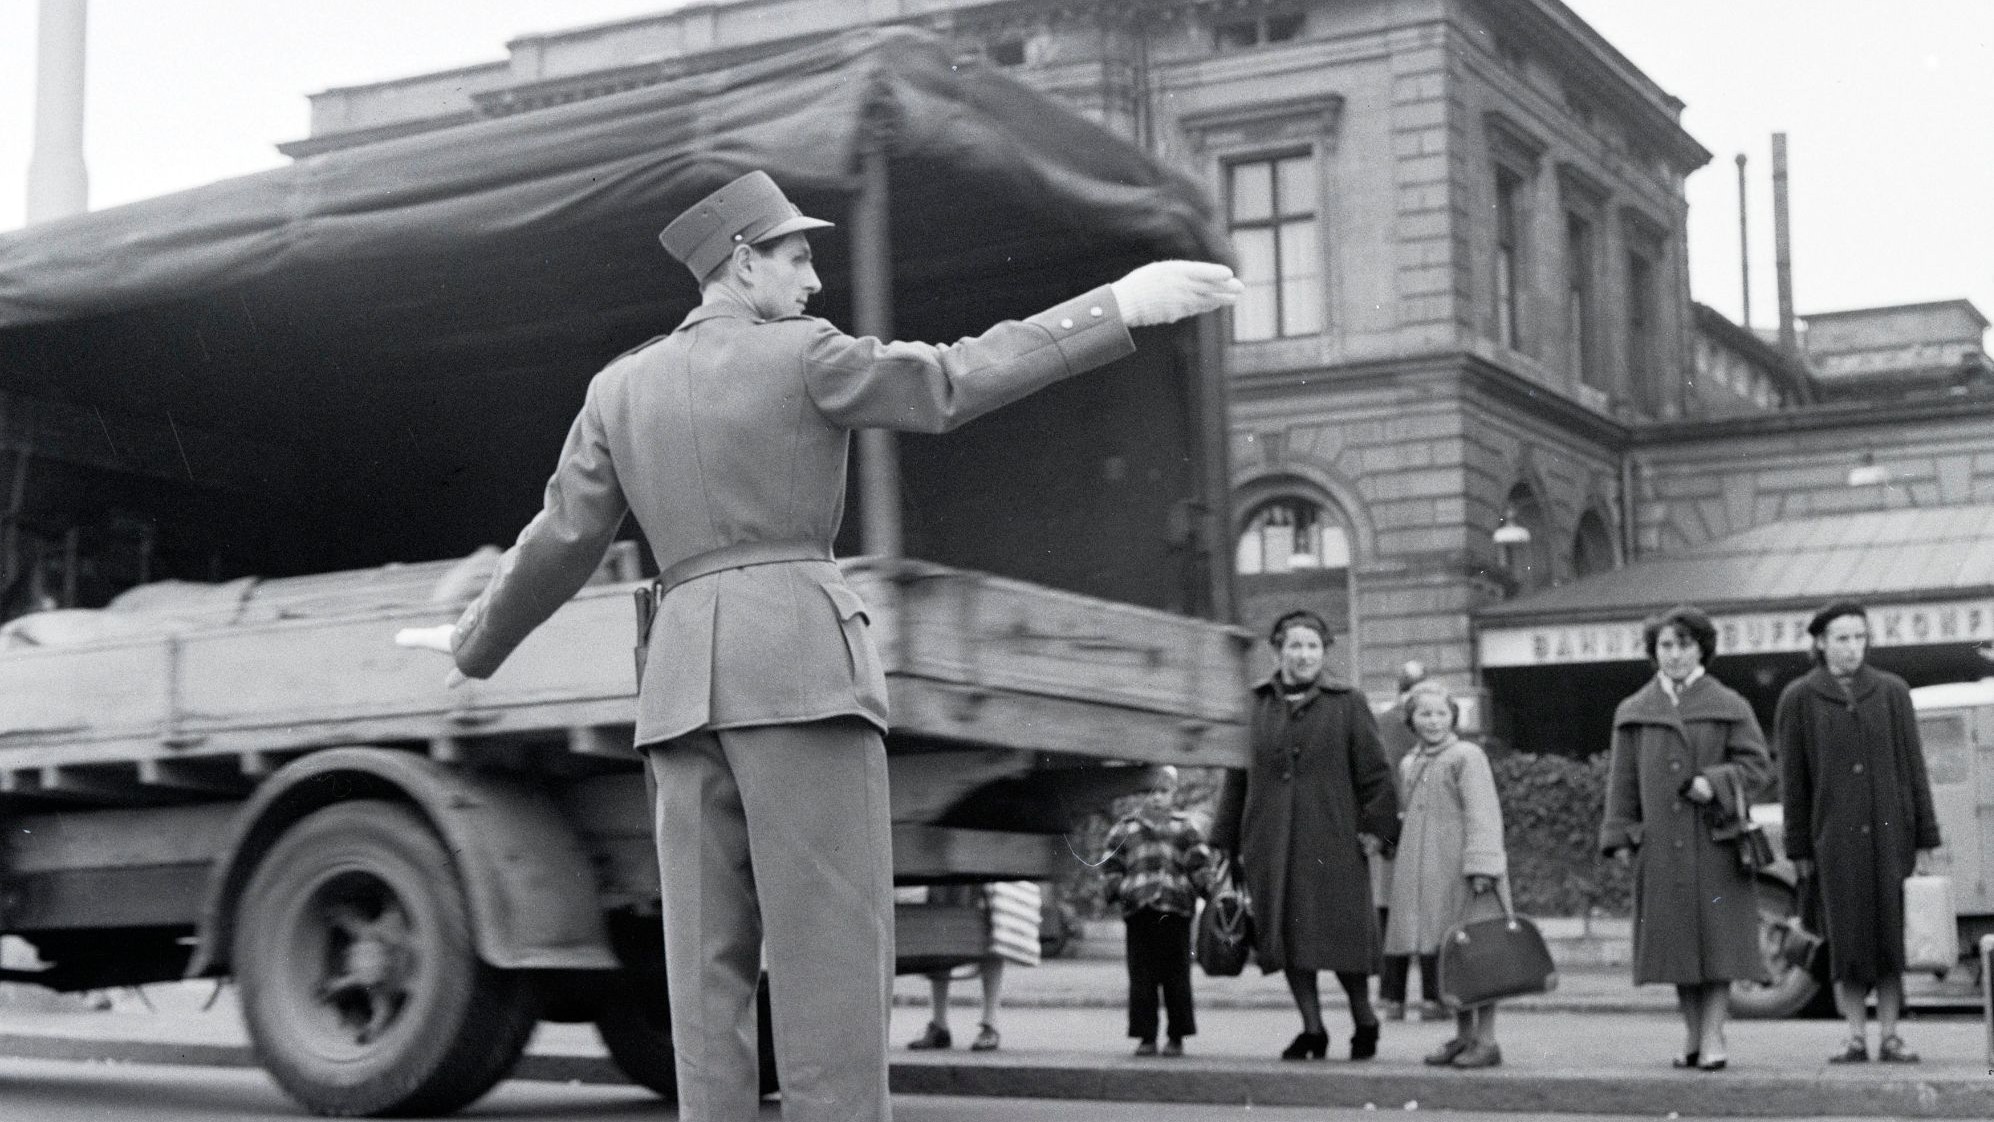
[(763, 703)]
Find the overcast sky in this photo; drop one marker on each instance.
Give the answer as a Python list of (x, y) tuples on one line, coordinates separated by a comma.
[(1889, 109)]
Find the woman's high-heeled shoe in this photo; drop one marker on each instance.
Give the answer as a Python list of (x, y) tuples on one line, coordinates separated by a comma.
[(1364, 1041), (1307, 1046)]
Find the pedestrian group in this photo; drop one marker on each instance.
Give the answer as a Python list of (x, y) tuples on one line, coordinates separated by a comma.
[(1365, 850)]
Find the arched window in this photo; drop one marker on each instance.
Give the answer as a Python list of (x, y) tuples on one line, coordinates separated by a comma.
[(1294, 553), (1289, 535), (1523, 540), (1592, 545)]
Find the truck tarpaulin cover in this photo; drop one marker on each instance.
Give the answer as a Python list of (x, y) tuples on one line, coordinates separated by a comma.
[(388, 341)]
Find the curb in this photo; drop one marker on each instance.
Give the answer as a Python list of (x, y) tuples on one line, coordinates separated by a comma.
[(1254, 1084), (1251, 1083)]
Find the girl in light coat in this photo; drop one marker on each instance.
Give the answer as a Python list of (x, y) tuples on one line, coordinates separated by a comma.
[(1450, 856)]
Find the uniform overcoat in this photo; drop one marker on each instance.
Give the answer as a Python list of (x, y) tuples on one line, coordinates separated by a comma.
[(1317, 778), (733, 429), (1695, 912), (1859, 804), (1451, 830)]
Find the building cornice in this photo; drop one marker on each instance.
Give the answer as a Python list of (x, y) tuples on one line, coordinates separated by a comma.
[(1470, 372), (1571, 44), (1812, 418)]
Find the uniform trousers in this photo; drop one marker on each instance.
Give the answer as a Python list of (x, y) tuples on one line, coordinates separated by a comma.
[(777, 833), (1159, 958)]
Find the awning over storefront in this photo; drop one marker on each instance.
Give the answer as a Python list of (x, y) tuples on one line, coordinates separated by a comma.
[(1927, 576)]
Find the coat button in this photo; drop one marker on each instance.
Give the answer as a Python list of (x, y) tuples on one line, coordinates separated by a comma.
[(1675, 765), (1067, 324), (1095, 311), (1857, 769), (1865, 829)]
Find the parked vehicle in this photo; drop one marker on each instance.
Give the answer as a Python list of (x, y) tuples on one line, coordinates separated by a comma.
[(370, 356), (1956, 725)]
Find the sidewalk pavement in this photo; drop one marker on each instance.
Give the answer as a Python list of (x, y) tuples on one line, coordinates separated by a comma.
[(1602, 1047)]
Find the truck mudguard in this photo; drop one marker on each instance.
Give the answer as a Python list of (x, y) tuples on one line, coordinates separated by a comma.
[(528, 882)]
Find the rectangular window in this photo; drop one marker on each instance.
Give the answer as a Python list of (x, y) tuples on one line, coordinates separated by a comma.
[(1508, 258), (1642, 333), (1580, 315), (1272, 217)]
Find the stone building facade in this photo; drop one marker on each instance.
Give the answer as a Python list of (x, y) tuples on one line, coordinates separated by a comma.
[(1468, 367)]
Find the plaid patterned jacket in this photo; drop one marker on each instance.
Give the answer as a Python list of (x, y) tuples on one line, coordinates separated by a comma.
[(1161, 865)]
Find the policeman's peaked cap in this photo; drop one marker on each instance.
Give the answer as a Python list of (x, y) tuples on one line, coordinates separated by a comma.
[(749, 210)]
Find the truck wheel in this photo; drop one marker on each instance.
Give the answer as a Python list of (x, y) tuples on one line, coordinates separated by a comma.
[(1793, 990), (361, 988), (635, 1025)]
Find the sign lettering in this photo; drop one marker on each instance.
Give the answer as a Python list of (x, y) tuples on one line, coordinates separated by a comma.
[(1743, 633)]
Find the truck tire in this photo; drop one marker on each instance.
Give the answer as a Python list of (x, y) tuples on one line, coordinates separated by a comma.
[(361, 986), (1793, 990), (635, 1025)]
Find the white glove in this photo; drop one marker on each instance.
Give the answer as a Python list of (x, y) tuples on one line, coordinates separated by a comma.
[(432, 639), (1167, 291)]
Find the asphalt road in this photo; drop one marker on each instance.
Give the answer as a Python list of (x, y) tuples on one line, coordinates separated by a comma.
[(61, 1091)]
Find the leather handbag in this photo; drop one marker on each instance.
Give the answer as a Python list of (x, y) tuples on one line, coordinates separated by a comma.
[(1484, 960), (1755, 850), (1225, 927)]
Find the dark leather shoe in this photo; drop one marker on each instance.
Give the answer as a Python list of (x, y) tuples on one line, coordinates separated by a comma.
[(1479, 1054), (1891, 1050), (1307, 1046), (1364, 1042), (932, 1037), (1173, 1047), (1145, 1048), (1854, 1052)]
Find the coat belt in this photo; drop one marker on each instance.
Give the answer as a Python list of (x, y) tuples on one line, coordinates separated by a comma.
[(741, 555)]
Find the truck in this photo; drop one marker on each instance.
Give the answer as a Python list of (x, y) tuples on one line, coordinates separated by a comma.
[(1956, 727), (254, 428)]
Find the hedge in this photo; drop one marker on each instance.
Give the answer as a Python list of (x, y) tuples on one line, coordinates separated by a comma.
[(1551, 807)]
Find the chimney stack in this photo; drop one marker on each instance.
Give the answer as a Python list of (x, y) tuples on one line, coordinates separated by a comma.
[(58, 185), (1744, 250), (1789, 339)]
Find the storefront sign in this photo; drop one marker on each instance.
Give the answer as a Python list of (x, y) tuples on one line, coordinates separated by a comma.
[(1747, 633)]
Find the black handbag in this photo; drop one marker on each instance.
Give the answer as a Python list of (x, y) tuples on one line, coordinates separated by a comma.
[(1799, 939), (1485, 960), (1225, 927), (1755, 850)]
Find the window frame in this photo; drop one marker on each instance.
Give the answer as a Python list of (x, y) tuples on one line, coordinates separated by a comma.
[(1514, 154), (1326, 520), (1276, 221), (1511, 251)]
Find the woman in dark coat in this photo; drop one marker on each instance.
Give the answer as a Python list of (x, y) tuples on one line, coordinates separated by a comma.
[(1858, 813), (1684, 745), (1316, 796)]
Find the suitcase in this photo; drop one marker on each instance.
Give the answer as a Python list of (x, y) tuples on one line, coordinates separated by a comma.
[(1931, 929)]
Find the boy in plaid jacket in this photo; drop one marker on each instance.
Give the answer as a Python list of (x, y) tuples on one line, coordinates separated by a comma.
[(1157, 867)]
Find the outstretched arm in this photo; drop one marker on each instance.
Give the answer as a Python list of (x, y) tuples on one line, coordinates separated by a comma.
[(921, 387)]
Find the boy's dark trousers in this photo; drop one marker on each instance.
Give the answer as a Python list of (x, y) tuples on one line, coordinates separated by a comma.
[(1159, 958)]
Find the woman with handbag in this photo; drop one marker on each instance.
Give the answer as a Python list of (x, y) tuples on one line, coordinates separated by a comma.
[(1450, 857), (1680, 744), (1316, 797)]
